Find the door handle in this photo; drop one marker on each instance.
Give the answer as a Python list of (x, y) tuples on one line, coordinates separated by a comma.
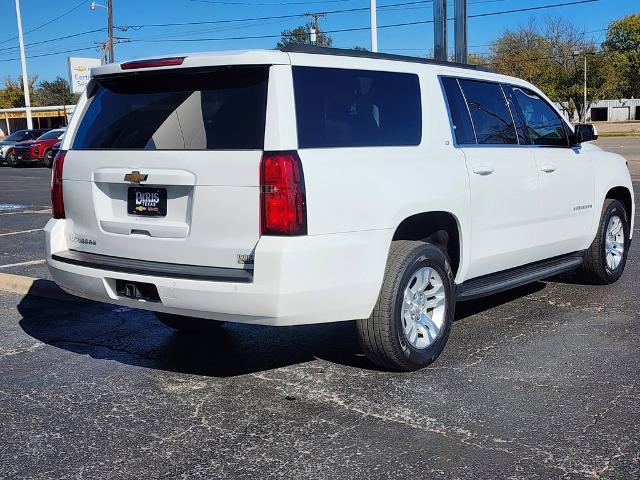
[(548, 168), (483, 169)]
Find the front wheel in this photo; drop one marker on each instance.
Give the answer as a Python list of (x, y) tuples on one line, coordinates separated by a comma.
[(188, 324), (12, 160), (47, 160), (606, 258), (412, 318)]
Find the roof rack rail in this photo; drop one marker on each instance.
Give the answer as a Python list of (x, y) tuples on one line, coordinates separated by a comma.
[(343, 52)]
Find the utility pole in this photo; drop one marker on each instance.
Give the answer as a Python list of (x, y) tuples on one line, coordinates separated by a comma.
[(374, 26), (440, 30), (110, 15), (460, 31), (315, 28), (23, 61)]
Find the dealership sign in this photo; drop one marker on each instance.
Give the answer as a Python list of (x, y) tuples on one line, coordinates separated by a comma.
[(80, 72)]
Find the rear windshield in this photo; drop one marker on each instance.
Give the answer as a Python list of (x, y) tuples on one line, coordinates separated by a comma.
[(182, 109)]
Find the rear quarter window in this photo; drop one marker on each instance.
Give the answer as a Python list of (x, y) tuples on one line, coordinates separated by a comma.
[(356, 108), (181, 109)]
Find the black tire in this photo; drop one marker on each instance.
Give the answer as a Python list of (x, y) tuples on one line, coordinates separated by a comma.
[(12, 161), (188, 324), (47, 158), (382, 336), (595, 269)]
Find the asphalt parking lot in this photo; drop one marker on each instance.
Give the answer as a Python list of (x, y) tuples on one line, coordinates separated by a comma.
[(540, 382)]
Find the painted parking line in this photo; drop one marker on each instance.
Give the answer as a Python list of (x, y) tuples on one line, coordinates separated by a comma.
[(20, 232), (20, 264), (48, 210), (33, 286), (12, 206)]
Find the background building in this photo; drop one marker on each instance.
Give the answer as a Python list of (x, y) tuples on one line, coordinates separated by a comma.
[(12, 119)]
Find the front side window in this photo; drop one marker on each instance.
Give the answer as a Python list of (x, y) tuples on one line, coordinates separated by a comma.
[(181, 109), (356, 108), (491, 117), (544, 125)]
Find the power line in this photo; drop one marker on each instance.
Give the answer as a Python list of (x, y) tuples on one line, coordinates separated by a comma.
[(49, 40), (49, 22), (274, 17), (393, 25), (51, 53), (268, 4), (525, 9)]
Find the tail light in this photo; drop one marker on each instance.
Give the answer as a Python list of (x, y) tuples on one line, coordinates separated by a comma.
[(57, 201), (282, 195)]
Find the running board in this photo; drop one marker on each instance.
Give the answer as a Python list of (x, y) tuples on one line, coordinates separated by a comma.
[(516, 277)]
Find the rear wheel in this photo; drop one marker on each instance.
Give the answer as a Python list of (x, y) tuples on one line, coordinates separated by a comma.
[(607, 256), (411, 321), (188, 324)]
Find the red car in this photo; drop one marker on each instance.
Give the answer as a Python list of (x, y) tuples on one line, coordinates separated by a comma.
[(39, 151)]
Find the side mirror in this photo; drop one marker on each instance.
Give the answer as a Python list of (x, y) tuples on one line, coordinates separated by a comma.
[(584, 132)]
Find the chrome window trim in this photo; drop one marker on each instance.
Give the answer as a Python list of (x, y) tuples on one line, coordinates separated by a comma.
[(466, 103), (448, 108), (494, 145), (508, 105), (567, 131)]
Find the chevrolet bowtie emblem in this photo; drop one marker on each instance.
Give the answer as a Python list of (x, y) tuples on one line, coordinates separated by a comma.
[(135, 177)]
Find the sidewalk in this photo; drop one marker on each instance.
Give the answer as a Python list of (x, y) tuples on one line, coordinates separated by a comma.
[(622, 129)]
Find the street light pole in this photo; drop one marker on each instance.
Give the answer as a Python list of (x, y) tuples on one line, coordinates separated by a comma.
[(23, 61), (440, 30), (374, 26), (107, 48), (585, 88), (460, 31)]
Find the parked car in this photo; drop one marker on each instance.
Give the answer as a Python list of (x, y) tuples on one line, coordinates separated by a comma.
[(320, 185), (38, 151), (54, 151), (6, 145)]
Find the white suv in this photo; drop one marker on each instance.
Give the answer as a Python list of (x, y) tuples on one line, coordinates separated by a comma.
[(319, 185)]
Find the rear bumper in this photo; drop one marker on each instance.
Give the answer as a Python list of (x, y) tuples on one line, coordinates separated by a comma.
[(297, 280)]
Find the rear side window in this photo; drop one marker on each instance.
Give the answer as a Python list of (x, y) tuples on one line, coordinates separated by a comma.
[(491, 117), (182, 109), (356, 108), (462, 127), (544, 125)]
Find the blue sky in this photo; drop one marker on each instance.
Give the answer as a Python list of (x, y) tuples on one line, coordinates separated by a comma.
[(143, 39)]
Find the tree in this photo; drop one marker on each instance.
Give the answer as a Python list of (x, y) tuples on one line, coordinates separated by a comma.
[(552, 58), (622, 44), (12, 94), (56, 92), (301, 35)]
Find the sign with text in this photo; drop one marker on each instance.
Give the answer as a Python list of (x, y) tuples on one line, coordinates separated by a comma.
[(80, 72)]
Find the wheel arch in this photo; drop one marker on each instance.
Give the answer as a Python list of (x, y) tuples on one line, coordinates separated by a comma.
[(623, 195), (439, 227)]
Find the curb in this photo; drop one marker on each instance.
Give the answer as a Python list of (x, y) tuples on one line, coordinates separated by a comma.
[(34, 286)]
